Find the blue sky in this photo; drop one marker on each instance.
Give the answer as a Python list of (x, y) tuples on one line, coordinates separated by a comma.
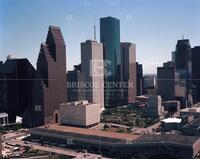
[(154, 25)]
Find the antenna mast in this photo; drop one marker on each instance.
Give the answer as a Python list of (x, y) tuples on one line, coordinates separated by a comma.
[(94, 30)]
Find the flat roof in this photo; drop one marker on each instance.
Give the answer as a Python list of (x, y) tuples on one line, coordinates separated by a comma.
[(2, 115), (94, 136), (172, 138), (84, 131), (171, 120), (193, 110)]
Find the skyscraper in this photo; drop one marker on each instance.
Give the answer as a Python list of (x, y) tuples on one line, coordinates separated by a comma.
[(93, 68), (140, 80), (128, 73), (74, 78), (50, 85), (196, 73), (110, 37), (183, 74), (166, 81), (17, 77)]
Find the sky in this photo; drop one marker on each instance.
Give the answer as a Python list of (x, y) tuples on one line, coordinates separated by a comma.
[(153, 25)]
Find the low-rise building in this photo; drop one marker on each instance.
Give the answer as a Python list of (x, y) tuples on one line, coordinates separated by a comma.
[(195, 111), (79, 113), (120, 145), (154, 106), (171, 106), (3, 119), (171, 124)]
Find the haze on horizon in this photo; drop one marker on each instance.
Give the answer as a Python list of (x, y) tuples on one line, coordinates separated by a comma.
[(155, 26)]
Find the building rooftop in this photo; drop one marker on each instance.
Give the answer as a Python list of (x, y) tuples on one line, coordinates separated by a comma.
[(94, 136), (2, 115), (193, 109), (171, 120), (77, 103), (99, 133)]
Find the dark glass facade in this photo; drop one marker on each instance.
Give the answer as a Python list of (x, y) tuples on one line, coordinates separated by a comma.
[(183, 74), (196, 73), (166, 81), (74, 92), (140, 80), (17, 78), (110, 37)]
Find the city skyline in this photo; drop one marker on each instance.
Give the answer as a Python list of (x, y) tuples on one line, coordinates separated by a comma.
[(80, 14)]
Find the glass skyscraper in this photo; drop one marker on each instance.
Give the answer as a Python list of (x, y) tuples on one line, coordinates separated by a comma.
[(110, 37), (183, 75)]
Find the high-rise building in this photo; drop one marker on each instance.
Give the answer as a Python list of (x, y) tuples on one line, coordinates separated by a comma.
[(183, 73), (196, 73), (110, 37), (17, 77), (92, 66), (50, 88), (140, 80), (166, 81), (128, 73), (75, 90)]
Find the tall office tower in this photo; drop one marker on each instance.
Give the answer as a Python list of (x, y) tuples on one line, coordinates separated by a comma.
[(196, 73), (75, 91), (140, 80), (17, 77), (166, 81), (110, 37), (51, 90), (183, 73), (128, 73), (93, 68)]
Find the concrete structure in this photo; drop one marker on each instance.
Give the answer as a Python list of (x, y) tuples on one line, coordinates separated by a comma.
[(140, 79), (195, 111), (79, 113), (51, 90), (166, 81), (128, 73), (75, 90), (154, 106), (92, 66), (3, 119), (119, 145), (171, 124), (110, 38), (16, 84)]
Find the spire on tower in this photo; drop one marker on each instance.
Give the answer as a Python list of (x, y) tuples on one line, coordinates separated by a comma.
[(94, 30)]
